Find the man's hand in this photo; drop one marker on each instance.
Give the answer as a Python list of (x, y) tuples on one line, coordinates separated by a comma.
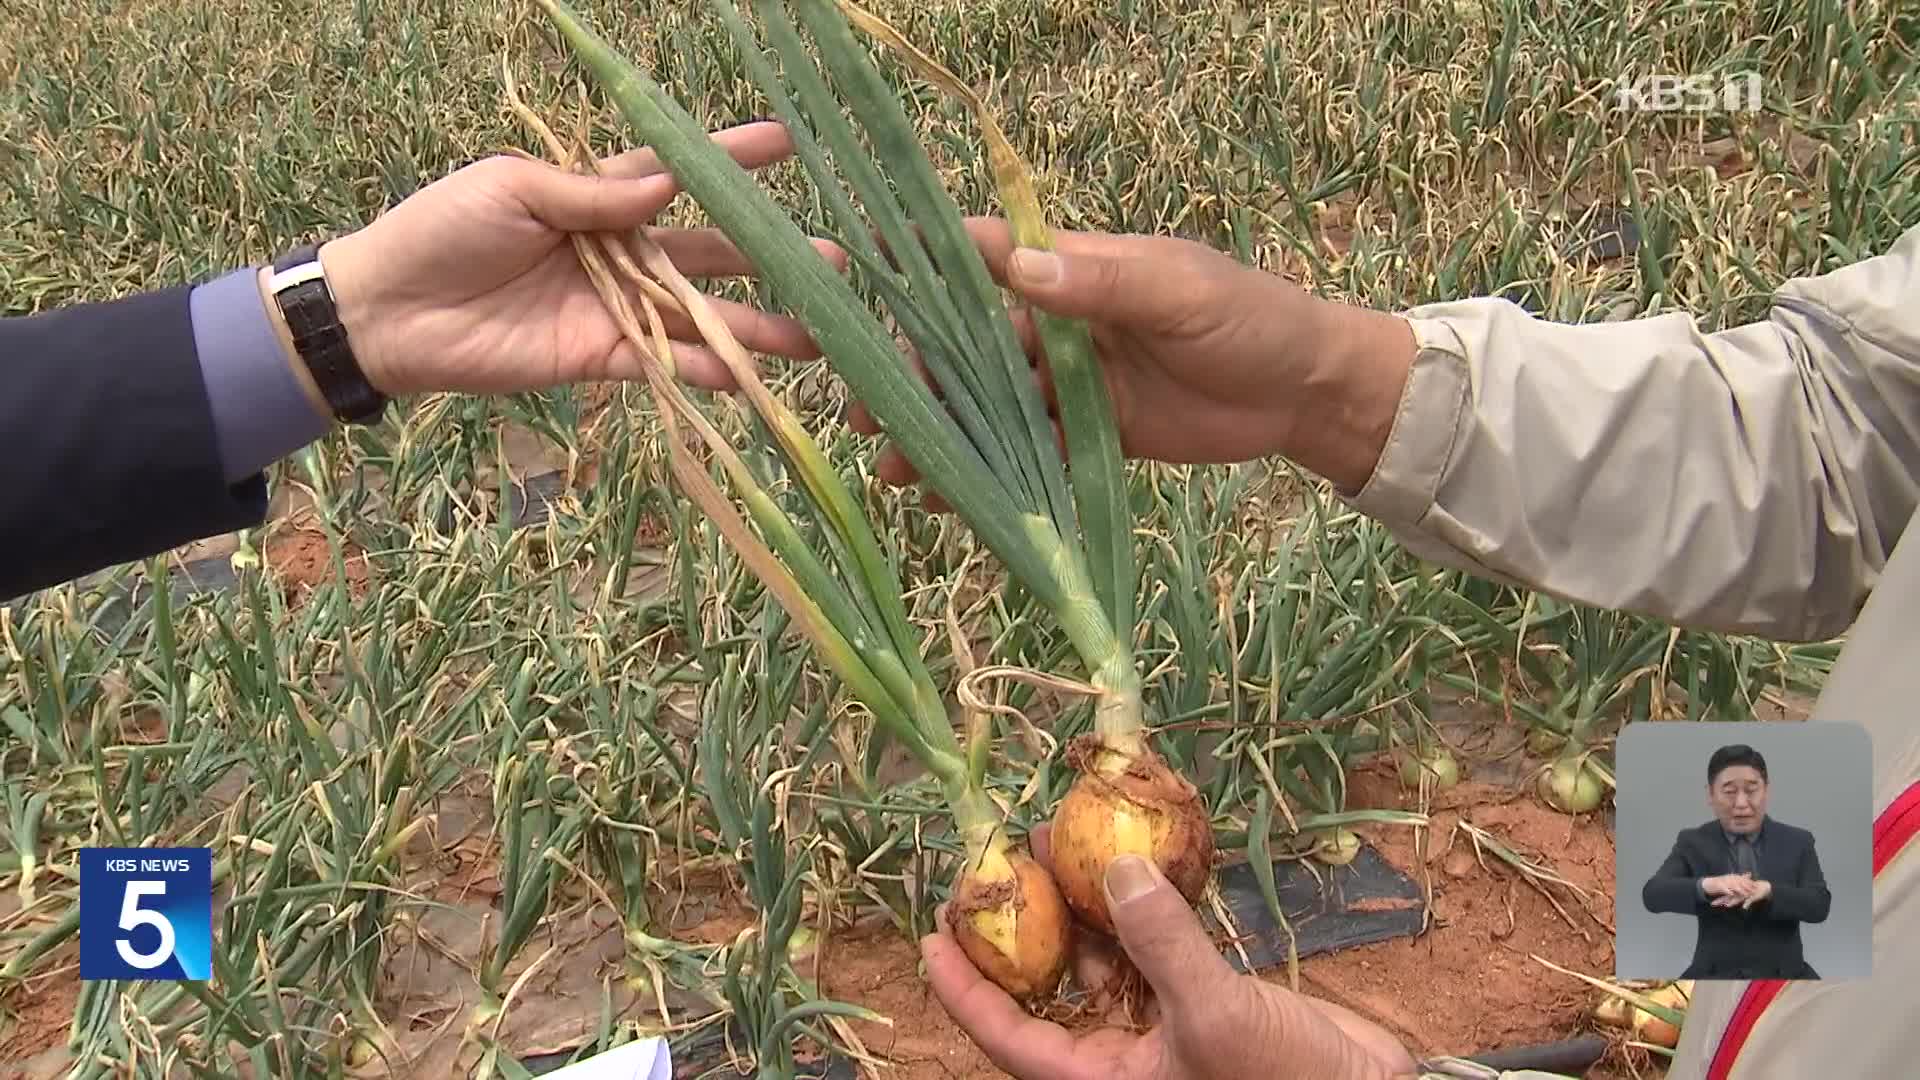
[(472, 284), (1722, 884), (1752, 892), (1735, 890), (1207, 360), (1212, 1022)]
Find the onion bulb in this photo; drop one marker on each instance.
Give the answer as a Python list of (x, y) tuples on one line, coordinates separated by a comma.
[(1611, 1011), (1008, 917), (1126, 805), (801, 945), (1436, 762), (1542, 741), (1569, 786), (1616, 1012), (1659, 1032), (1337, 847), (1674, 995)]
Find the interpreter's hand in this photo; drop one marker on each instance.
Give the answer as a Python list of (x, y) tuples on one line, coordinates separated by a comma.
[(1742, 890), (1725, 885), (472, 283), (1211, 1021), (1207, 360), (1734, 890)]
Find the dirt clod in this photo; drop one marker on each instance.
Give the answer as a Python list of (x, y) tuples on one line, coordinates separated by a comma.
[(302, 560), (1459, 864)]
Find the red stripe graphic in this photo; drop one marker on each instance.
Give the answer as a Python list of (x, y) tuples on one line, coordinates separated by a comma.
[(1896, 826), (1892, 830)]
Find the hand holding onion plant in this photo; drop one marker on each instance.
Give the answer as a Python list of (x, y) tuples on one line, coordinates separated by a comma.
[(987, 448), (856, 620)]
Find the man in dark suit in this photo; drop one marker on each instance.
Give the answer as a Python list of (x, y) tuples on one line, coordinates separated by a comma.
[(1749, 880), (135, 425)]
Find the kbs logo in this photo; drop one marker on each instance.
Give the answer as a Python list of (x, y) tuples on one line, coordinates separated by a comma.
[(1691, 93), (146, 913)]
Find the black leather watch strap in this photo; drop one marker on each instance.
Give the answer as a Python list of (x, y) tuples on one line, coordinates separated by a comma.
[(306, 302)]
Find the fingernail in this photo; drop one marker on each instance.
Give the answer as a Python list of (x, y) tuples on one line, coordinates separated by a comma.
[(1036, 267), (1130, 877)]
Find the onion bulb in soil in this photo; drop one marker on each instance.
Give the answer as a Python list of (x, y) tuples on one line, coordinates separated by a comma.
[(1542, 742), (1337, 847), (1126, 804), (1659, 1033), (1008, 917), (1653, 1029), (1435, 762), (1616, 1012), (1569, 786)]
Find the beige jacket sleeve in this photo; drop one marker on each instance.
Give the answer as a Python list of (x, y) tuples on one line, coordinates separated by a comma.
[(1752, 480)]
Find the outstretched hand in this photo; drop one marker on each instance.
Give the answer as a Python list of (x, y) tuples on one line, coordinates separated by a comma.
[(1210, 1022), (472, 283), (1208, 361)]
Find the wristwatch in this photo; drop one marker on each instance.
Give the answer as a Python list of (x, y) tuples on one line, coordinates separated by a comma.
[(299, 286)]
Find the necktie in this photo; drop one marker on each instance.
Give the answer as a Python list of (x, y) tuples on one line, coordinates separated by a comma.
[(1743, 862)]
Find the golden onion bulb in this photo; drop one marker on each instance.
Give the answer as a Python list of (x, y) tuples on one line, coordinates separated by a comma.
[(1144, 808), (1008, 917), (1659, 1032), (1612, 1011)]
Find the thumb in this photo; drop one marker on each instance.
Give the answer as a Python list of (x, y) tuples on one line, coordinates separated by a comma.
[(578, 202), (1086, 285), (1162, 935)]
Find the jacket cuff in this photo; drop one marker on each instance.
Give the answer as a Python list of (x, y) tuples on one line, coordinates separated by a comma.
[(1406, 480), (1435, 408), (260, 412)]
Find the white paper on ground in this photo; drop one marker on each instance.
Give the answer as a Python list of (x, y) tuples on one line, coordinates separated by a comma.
[(647, 1059)]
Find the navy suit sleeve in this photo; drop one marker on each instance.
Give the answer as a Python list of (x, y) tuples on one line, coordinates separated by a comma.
[(1806, 898), (1673, 888), (111, 451)]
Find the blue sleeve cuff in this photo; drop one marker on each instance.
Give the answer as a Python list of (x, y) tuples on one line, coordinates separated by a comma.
[(260, 412)]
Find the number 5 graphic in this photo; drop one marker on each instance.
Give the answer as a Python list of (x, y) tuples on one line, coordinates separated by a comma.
[(133, 915)]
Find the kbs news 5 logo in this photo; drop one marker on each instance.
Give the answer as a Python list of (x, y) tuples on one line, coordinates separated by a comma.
[(146, 913)]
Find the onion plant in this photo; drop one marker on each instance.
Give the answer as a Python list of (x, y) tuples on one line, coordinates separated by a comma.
[(984, 443), (847, 603)]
